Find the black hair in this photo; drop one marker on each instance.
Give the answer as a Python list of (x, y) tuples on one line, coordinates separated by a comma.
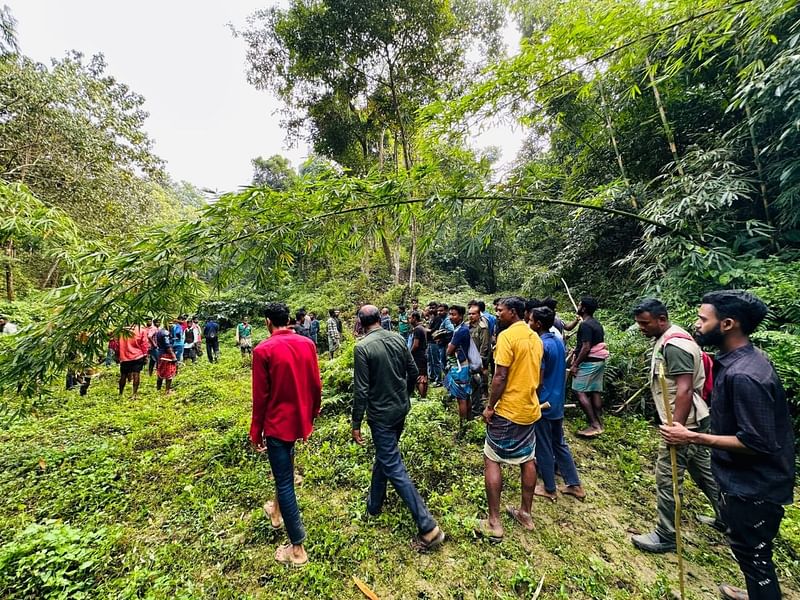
[(550, 303), (402, 307), (650, 305), (472, 303), (444, 306), (277, 313), (544, 315), (416, 315), (497, 301), (332, 312), (738, 305), (414, 301), (532, 303), (369, 317), (589, 304), (433, 304), (481, 306), (514, 303), (459, 309)]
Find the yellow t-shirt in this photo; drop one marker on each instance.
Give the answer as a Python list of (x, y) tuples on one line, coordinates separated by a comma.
[(520, 349)]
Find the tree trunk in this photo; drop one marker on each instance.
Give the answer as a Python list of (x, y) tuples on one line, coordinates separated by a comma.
[(51, 272), (387, 251), (412, 263), (9, 271), (396, 262), (759, 169), (667, 129), (380, 148)]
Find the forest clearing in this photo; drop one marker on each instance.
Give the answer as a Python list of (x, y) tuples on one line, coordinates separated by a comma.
[(654, 165)]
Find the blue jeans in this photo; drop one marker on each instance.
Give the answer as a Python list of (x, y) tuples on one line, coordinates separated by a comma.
[(552, 449), (435, 362), (178, 348), (389, 466), (281, 459)]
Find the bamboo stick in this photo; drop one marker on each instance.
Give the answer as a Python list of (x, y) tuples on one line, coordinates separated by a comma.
[(673, 458)]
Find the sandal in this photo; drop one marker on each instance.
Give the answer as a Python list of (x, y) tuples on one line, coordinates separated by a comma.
[(516, 514), (540, 491), (575, 491), (269, 508), (421, 545), (483, 529), (729, 592), (284, 556)]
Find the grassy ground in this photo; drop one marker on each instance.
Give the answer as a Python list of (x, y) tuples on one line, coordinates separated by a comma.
[(102, 497)]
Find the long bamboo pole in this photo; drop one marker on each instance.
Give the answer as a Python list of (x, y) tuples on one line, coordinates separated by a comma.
[(673, 458)]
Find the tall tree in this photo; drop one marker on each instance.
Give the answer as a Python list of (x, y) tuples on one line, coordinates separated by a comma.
[(275, 172)]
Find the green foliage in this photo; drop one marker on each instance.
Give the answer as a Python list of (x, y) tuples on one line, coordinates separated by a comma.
[(54, 561), (275, 172)]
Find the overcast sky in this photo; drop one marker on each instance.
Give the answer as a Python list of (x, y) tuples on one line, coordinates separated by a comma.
[(206, 120)]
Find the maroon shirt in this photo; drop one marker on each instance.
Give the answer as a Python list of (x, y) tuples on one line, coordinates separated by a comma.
[(287, 391)]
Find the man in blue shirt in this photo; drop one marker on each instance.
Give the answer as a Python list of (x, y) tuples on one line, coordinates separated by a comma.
[(551, 447), (752, 444), (459, 349)]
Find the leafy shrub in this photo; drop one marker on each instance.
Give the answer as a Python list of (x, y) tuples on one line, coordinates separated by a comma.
[(53, 561)]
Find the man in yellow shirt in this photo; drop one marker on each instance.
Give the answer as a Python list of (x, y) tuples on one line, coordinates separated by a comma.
[(510, 414)]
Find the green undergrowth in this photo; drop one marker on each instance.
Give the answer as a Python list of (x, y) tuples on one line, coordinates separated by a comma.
[(104, 497)]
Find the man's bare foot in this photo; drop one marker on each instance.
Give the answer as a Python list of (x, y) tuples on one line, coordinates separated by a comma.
[(520, 517), (274, 514), (539, 490), (291, 554), (575, 491), (493, 533)]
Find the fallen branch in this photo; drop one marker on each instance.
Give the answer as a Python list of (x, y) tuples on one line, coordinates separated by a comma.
[(625, 404)]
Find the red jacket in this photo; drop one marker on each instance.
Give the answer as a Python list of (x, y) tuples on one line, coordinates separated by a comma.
[(287, 391), (133, 344)]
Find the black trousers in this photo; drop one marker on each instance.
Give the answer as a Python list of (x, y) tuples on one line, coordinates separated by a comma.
[(212, 349), (753, 525)]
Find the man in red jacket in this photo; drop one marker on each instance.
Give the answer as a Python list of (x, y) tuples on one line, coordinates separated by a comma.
[(287, 394), (133, 349)]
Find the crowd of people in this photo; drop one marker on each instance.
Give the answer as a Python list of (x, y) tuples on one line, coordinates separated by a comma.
[(730, 421)]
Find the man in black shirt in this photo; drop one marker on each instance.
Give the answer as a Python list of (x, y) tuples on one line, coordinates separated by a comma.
[(752, 445), (587, 366), (434, 350), (419, 351)]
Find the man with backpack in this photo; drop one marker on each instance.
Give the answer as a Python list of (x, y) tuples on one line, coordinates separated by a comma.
[(211, 335), (686, 378)]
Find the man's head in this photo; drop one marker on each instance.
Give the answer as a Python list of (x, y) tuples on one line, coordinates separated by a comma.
[(313, 316), (587, 306), (496, 303), (195, 320), (727, 313), (402, 308), (530, 304), (276, 315), (384, 311), (157, 322), (474, 314), (300, 315), (332, 312), (550, 303), (148, 321), (456, 313), (510, 310), (336, 312), (415, 318), (369, 315), (542, 319), (442, 310), (479, 303), (244, 320), (414, 304), (651, 317)]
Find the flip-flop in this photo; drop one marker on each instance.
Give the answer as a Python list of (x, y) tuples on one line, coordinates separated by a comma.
[(421, 545), (483, 529), (284, 556), (268, 506), (543, 493), (589, 434), (729, 592), (515, 513)]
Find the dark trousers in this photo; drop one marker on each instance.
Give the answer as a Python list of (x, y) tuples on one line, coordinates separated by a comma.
[(552, 450), (281, 459), (389, 466), (752, 526), (152, 359), (435, 362), (212, 349)]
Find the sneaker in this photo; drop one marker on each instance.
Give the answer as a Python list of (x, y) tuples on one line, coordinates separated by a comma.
[(729, 592), (713, 522), (652, 542)]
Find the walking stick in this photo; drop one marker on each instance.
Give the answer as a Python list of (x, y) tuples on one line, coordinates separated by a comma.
[(571, 299), (673, 458)]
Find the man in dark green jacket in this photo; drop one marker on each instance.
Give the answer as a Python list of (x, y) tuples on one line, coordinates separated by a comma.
[(385, 374)]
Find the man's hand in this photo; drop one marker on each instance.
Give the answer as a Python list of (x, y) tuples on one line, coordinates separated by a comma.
[(488, 412), (676, 434), (261, 449), (573, 370), (357, 437)]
